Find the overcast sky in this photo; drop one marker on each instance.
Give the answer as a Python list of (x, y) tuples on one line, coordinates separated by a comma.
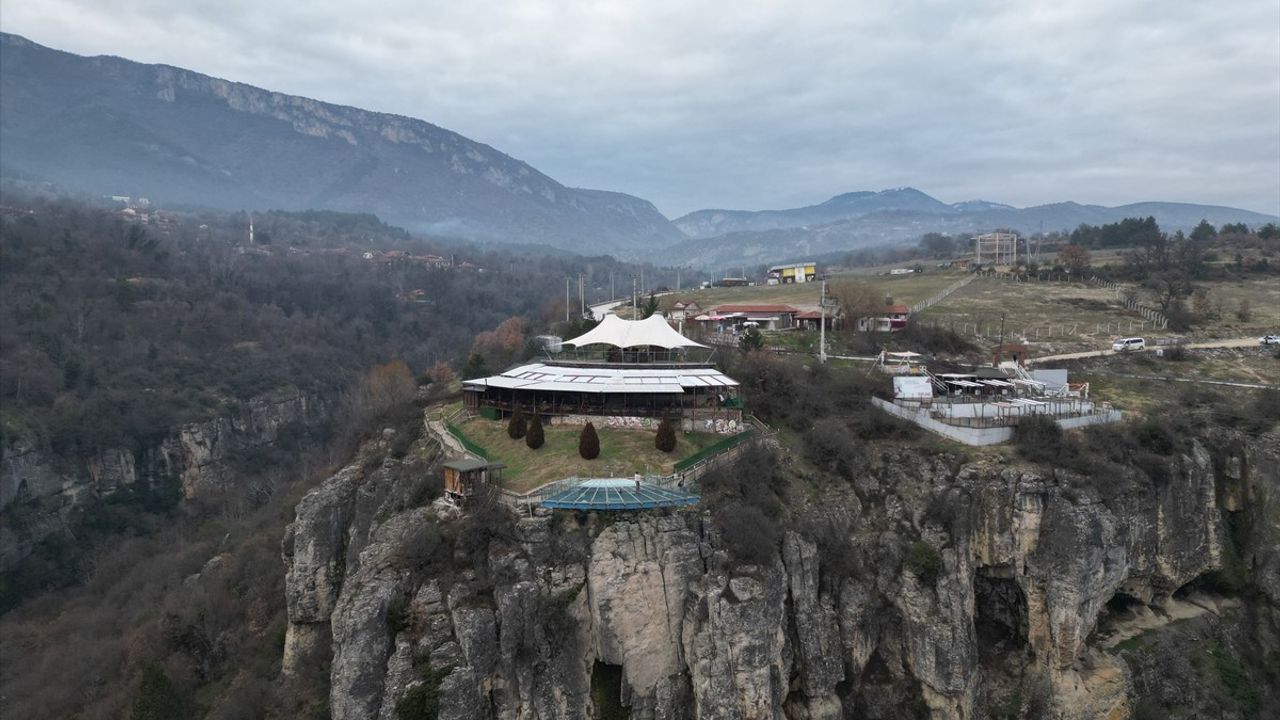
[(757, 105)]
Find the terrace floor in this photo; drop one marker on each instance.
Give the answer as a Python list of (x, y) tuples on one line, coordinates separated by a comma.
[(617, 494)]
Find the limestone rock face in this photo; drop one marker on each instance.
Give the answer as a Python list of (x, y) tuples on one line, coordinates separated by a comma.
[(362, 636), (819, 653), (39, 495), (736, 643), (1020, 565), (637, 581)]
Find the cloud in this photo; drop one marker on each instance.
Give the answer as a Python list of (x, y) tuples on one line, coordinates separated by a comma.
[(766, 104)]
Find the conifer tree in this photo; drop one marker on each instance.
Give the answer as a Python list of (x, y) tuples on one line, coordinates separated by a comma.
[(534, 437), (589, 442), (666, 437), (516, 427)]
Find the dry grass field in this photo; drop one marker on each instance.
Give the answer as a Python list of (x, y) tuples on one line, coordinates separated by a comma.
[(1263, 297), (906, 289), (1054, 316), (622, 453)]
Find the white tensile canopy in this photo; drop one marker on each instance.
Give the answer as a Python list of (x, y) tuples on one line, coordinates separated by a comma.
[(653, 331)]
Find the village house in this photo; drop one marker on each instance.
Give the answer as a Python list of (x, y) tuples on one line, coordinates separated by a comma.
[(811, 318), (684, 311), (890, 319), (732, 318)]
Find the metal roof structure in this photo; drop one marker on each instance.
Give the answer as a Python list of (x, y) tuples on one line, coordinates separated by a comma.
[(636, 379), (467, 465)]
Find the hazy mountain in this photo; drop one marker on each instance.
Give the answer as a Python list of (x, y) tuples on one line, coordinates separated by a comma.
[(906, 226), (710, 223), (111, 126)]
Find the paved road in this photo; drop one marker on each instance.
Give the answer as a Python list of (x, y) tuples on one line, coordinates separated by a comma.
[(1228, 343)]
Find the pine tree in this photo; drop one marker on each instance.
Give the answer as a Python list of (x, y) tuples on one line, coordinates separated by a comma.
[(651, 306), (666, 437), (516, 428), (475, 367), (534, 438), (157, 698), (589, 442)]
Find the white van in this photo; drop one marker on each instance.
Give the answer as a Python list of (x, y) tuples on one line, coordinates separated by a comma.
[(1129, 344)]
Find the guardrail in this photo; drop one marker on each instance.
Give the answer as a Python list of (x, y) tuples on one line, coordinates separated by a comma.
[(713, 449), (467, 443)]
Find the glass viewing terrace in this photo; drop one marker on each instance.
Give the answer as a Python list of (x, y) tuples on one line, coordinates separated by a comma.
[(616, 494)]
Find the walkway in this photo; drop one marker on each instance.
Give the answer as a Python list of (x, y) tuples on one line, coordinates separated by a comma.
[(616, 494)]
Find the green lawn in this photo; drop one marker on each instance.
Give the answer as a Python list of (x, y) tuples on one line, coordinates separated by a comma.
[(622, 453)]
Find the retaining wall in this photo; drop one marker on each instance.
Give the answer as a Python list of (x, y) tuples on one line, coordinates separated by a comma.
[(984, 436), (710, 425)]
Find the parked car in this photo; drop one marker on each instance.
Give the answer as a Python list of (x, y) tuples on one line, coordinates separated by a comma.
[(1129, 344), (1269, 340)]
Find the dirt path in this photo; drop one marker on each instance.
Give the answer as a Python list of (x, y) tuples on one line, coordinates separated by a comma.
[(1226, 343)]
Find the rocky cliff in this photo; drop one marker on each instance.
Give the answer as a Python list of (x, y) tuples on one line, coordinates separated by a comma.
[(951, 590), (40, 494)]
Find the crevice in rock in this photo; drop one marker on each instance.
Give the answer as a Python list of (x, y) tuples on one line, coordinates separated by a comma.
[(1000, 611), (608, 692)]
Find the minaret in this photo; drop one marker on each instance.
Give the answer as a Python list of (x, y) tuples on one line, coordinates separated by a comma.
[(250, 228)]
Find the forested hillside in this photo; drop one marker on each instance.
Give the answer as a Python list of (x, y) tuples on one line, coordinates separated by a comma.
[(161, 354), (155, 325)]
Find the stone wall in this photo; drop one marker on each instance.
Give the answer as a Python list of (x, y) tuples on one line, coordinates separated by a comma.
[(723, 426)]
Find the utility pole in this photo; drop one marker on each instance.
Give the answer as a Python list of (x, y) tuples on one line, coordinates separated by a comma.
[(677, 279), (566, 300), (582, 296), (633, 297), (822, 324), (611, 295)]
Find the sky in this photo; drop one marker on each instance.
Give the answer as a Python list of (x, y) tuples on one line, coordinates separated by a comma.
[(756, 105)]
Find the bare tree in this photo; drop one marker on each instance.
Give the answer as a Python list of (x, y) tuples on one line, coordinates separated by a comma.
[(857, 301)]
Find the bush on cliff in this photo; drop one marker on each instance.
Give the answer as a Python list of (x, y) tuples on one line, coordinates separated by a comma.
[(923, 560), (750, 536)]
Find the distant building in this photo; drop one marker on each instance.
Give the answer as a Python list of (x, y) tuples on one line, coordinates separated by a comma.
[(996, 248), (684, 310), (811, 319), (733, 282), (626, 370), (890, 319), (793, 273), (765, 316)]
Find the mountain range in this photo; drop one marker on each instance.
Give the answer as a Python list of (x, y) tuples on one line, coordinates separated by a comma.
[(901, 216), (110, 126)]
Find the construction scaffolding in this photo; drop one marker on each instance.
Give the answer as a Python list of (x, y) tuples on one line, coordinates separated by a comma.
[(996, 248)]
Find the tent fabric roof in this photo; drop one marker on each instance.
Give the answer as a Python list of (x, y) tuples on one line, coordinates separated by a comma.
[(653, 331), (541, 376)]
